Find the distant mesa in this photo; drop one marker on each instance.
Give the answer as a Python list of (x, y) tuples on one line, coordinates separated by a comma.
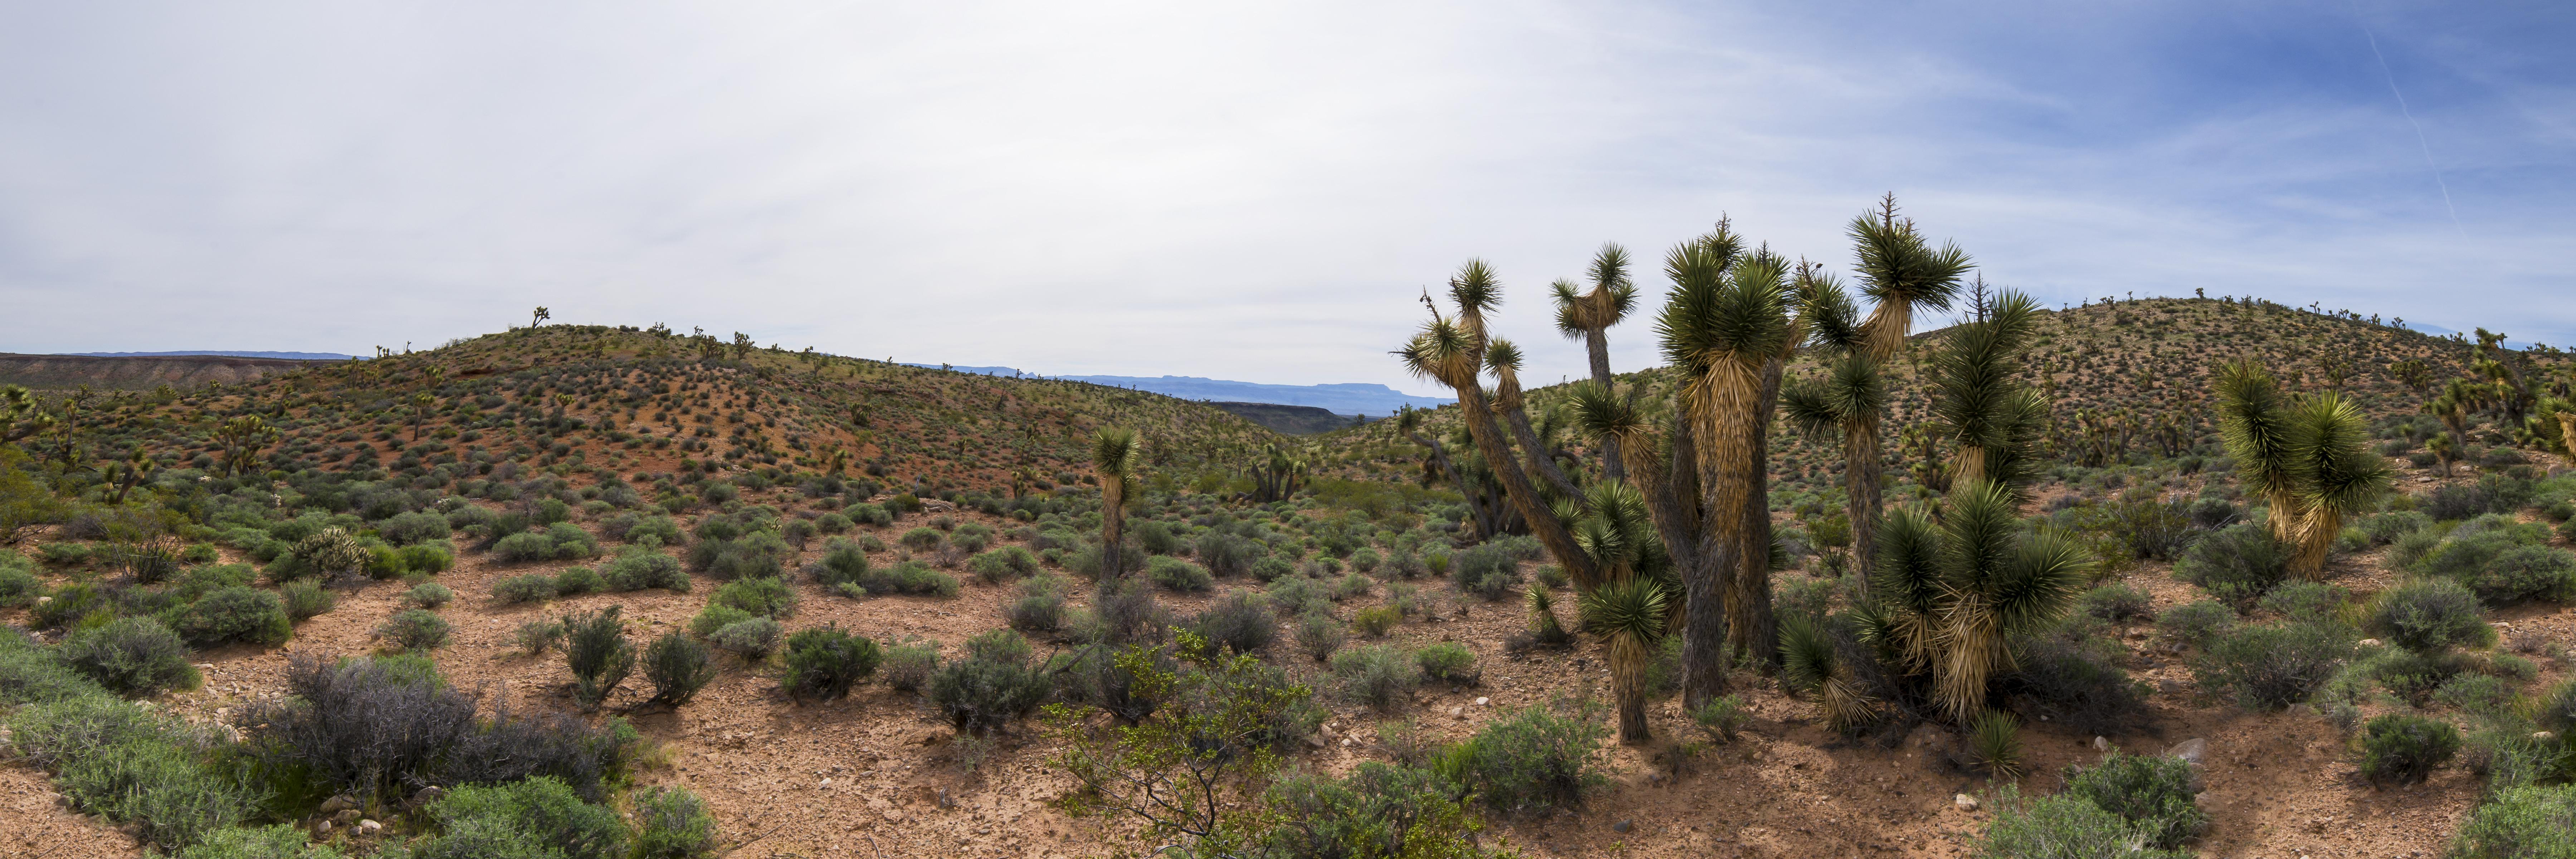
[(290, 356), (1347, 400), (146, 371)]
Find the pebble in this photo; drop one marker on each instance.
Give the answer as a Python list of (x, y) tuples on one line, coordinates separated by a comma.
[(370, 827), (1482, 700), (1457, 712), (2101, 744), (1623, 826), (2193, 750), (1964, 802)]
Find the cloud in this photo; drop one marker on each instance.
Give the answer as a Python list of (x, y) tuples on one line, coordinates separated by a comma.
[(1234, 191)]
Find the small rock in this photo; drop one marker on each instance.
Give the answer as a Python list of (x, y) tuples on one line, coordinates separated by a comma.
[(2543, 736), (1964, 802), (322, 828), (2370, 642), (345, 817), (337, 804), (827, 782), (1457, 712), (1482, 700), (370, 827), (1623, 826), (1315, 740), (2193, 750), (2101, 744)]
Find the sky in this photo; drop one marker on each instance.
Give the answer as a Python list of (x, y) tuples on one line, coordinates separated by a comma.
[(1251, 191)]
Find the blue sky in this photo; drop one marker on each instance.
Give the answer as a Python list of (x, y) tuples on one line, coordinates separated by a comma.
[(1241, 191)]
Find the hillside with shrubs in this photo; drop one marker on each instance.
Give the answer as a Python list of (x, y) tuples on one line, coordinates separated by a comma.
[(2166, 577)]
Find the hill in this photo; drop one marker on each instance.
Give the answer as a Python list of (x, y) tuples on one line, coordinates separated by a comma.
[(291, 356), (1290, 420), (1341, 398), (137, 372)]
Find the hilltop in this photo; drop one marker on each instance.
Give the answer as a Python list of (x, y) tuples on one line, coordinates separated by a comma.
[(138, 372)]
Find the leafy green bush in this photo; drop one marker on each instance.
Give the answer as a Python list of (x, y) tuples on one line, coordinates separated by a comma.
[(671, 823), (2306, 601), (769, 598), (2525, 573), (843, 562), (596, 649), (134, 656), (117, 760), (1240, 620), (282, 841), (536, 818), (1004, 565), (1380, 810), (824, 662), (1294, 596), (29, 673), (1449, 662), (2385, 528), (753, 638), (2236, 564), (2064, 826), (2117, 601), (678, 666), (18, 584), (2152, 793), (714, 617), (2404, 749), (908, 577), (1038, 605), (2070, 674), (2429, 614), (1488, 571), (868, 514), (414, 630), (524, 547), (1379, 675), (407, 528), (1377, 621), (637, 569), (1319, 635), (305, 599), (428, 595), (2475, 693), (1534, 760), (2520, 823), (575, 581), (525, 588), (995, 683), (2268, 667), (1179, 575), (922, 538), (910, 665), (2196, 623), (235, 613)]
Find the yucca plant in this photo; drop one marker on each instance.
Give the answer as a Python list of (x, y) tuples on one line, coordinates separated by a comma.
[(2308, 457), (1951, 596), (1588, 316), (1503, 359), (1994, 744), (1542, 611), (1632, 609), (1979, 401), (1115, 459), (1811, 662)]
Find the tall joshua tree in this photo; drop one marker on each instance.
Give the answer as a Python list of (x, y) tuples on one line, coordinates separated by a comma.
[(1846, 400), (1589, 315), (2309, 457), (1902, 273), (1504, 360), (1115, 459), (1631, 607), (1979, 400)]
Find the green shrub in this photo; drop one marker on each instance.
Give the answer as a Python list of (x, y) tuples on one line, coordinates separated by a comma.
[(910, 665), (1722, 717), (1488, 571), (843, 563), (525, 588), (538, 818), (134, 656), (1240, 620), (1377, 621), (537, 635), (868, 514), (2064, 826), (753, 638), (2520, 823), (407, 528), (1296, 596), (2070, 673), (1380, 810), (1271, 568), (1318, 634), (30, 673), (637, 569), (922, 538), (2404, 749), (575, 581), (2429, 614), (824, 662), (2475, 693), (909, 577), (1039, 605), (306, 599), (1449, 662), (2196, 623), (114, 759), (1179, 575), (769, 598), (18, 584), (1380, 675), (282, 841), (1004, 565), (2525, 573), (2152, 793), (2117, 601), (671, 823), (235, 614), (425, 558), (414, 630), (2385, 528), (2236, 564), (1534, 760), (524, 547), (597, 652), (678, 666), (995, 683), (716, 616), (2306, 601), (428, 595), (2272, 666)]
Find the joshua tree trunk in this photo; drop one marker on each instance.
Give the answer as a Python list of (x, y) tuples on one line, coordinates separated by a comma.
[(1628, 677), (1539, 460), (1485, 519), (2317, 529), (1517, 489), (1113, 524), (1862, 461), (1597, 345), (1751, 628)]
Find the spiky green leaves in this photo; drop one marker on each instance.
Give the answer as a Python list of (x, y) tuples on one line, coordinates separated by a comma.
[(1442, 351), (1850, 390), (1951, 595), (1978, 397), (1612, 295), (2254, 420), (1634, 608), (1477, 290), (1833, 322), (2309, 457), (1901, 272)]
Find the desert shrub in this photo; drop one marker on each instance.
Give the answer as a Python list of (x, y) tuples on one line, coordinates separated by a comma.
[(69, 603), (1487, 571), (1534, 760), (1124, 611), (1156, 538), (413, 630), (2475, 693), (908, 577), (2117, 601), (2525, 573), (1038, 605), (2447, 503), (574, 581), (282, 841), (2305, 601), (524, 547), (2195, 623), (525, 588), (407, 528), (2268, 667), (678, 666), (637, 569), (1448, 662), (1721, 718), (1004, 565), (995, 683), (910, 665), (597, 652), (1380, 810), (114, 759), (2070, 674), (1352, 586), (2520, 823), (2063, 826), (424, 558), (1994, 744), (373, 727), (538, 818), (1179, 575), (2410, 674), (537, 635), (306, 599), (2428, 614), (1240, 620), (2152, 793), (2403, 749), (1295, 596), (1318, 634), (672, 823), (1376, 621), (232, 614), (30, 673), (428, 595), (758, 554), (824, 662), (2385, 528), (134, 656), (752, 638), (921, 539), (1379, 675), (18, 584), (1272, 568), (2236, 564), (570, 542), (1226, 554), (770, 598), (868, 514)]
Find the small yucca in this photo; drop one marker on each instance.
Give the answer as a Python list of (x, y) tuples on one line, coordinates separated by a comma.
[(1994, 743)]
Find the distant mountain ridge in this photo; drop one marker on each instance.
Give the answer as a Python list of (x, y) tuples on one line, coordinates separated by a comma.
[(290, 356), (1344, 398)]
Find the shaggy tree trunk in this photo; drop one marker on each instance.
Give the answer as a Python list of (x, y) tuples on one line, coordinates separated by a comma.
[(1597, 346), (1539, 460), (1751, 628), (1517, 489), (1862, 461)]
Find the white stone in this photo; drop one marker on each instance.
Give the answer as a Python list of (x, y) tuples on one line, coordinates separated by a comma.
[(2193, 750), (1482, 700), (1964, 802)]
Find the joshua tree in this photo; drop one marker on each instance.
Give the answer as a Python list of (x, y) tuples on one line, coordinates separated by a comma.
[(1901, 273), (1979, 400), (420, 404), (21, 415), (1950, 596), (241, 439), (1276, 476), (1504, 360), (540, 317), (1589, 315), (1631, 607), (2309, 457), (1115, 458), (1847, 400)]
